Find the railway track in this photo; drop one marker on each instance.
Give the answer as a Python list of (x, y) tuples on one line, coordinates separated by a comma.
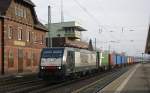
[(16, 79), (36, 85), (74, 87)]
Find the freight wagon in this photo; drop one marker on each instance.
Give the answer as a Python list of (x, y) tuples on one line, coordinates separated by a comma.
[(112, 60), (105, 60), (118, 60)]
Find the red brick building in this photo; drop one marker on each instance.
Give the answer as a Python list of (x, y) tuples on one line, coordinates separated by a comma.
[(21, 37)]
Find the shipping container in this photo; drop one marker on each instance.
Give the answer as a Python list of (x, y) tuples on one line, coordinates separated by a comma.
[(105, 59), (118, 59), (126, 59), (112, 59)]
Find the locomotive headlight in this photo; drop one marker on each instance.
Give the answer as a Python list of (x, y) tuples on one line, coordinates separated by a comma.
[(59, 67), (42, 67)]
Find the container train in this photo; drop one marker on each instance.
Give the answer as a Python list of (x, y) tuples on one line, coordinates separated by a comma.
[(65, 62)]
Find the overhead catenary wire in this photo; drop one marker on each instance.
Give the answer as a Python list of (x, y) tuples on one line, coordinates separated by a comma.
[(104, 27), (87, 12), (92, 17)]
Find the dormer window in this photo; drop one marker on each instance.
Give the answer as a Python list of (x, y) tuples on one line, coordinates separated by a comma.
[(20, 12)]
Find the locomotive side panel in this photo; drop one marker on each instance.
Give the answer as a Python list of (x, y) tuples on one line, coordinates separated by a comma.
[(85, 60)]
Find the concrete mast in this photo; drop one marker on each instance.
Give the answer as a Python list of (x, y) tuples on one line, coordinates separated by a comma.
[(49, 27)]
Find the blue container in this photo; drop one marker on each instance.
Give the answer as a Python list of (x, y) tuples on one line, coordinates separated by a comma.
[(122, 59), (114, 59), (118, 59)]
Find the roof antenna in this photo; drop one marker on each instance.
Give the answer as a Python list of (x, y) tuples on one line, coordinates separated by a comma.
[(62, 12)]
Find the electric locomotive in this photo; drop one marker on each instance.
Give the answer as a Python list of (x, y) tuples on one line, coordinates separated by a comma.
[(66, 61)]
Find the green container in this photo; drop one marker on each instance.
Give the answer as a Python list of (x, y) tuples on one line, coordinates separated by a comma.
[(105, 59)]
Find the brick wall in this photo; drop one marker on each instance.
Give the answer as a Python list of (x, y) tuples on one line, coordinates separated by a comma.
[(32, 48)]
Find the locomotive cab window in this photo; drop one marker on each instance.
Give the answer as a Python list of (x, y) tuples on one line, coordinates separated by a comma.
[(52, 53)]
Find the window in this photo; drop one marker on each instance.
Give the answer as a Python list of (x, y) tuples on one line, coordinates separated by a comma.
[(72, 30), (25, 13), (42, 40), (34, 37), (28, 58), (5, 56), (10, 32), (19, 34), (28, 36), (16, 11), (69, 30), (20, 12), (10, 58), (34, 59)]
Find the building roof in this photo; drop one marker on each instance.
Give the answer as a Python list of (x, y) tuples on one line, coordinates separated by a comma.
[(29, 2), (79, 28), (64, 42), (77, 44), (4, 5), (69, 24), (39, 25)]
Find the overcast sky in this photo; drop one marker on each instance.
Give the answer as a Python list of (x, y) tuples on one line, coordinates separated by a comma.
[(125, 22)]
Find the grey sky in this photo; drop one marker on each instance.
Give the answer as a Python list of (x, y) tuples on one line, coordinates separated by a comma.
[(108, 15)]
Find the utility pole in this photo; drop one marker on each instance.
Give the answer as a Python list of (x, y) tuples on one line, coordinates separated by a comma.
[(109, 47), (142, 57), (95, 43), (49, 27), (62, 12), (122, 29)]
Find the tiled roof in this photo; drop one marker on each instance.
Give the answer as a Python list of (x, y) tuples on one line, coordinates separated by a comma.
[(4, 5), (29, 2), (64, 42), (39, 25), (78, 44)]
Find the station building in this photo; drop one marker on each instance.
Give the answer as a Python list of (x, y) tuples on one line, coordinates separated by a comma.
[(21, 37), (66, 34)]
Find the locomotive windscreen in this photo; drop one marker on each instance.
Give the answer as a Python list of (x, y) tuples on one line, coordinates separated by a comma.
[(52, 52)]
